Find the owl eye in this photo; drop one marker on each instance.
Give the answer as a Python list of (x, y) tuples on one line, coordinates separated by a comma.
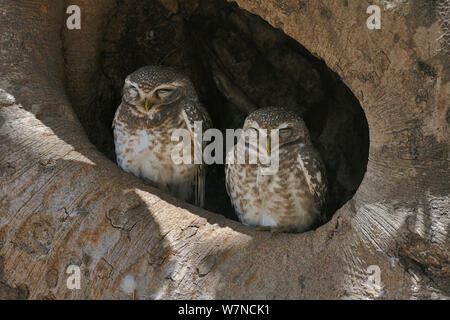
[(285, 133), (133, 92), (163, 93), (253, 131), (251, 135)]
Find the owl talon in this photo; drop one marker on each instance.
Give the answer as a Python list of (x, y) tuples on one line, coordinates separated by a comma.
[(273, 230), (277, 230), (150, 183), (264, 228)]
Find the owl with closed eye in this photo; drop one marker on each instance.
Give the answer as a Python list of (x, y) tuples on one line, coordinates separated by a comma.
[(156, 101), (290, 198)]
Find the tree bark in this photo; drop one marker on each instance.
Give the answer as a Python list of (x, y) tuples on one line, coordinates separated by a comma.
[(63, 203)]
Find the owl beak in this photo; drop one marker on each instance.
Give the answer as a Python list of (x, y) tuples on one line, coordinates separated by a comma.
[(147, 105), (268, 144)]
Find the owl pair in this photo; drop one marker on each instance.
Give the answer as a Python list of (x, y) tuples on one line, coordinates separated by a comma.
[(158, 100)]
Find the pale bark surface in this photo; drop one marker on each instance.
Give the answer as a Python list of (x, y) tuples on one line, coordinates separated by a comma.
[(62, 202)]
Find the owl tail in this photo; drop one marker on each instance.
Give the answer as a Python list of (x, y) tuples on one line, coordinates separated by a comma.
[(200, 187)]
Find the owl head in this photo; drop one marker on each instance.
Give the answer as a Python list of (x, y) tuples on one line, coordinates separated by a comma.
[(288, 124), (151, 88)]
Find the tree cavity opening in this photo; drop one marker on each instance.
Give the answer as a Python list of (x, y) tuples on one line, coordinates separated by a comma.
[(212, 40)]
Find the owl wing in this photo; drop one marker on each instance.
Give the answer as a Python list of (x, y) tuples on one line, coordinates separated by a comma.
[(194, 111), (114, 123), (312, 167)]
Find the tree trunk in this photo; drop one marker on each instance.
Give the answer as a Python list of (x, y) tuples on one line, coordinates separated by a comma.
[(64, 203)]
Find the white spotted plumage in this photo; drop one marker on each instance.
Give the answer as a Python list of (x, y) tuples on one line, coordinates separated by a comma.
[(292, 199), (146, 154), (143, 136)]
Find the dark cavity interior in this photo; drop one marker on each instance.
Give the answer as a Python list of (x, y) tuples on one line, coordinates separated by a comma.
[(236, 60)]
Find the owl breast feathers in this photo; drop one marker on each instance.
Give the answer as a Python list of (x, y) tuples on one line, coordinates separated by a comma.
[(157, 101), (292, 199)]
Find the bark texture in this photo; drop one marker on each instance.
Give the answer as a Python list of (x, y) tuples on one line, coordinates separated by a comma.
[(63, 203)]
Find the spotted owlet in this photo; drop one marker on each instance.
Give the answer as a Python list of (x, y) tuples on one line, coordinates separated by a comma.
[(290, 199), (156, 101)]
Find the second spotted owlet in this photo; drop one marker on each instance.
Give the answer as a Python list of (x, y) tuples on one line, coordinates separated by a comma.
[(292, 198)]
